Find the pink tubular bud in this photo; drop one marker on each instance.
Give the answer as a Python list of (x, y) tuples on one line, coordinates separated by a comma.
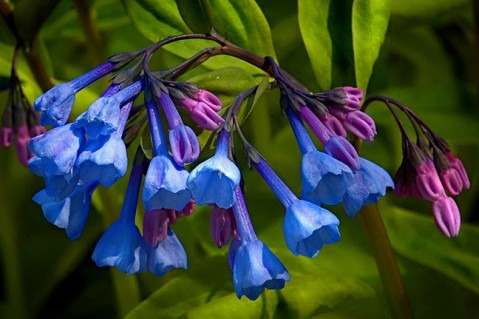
[(155, 226), (451, 180), (457, 164), (21, 144), (209, 99), (354, 97), (222, 225), (206, 117), (187, 210), (446, 215), (6, 136), (428, 181), (188, 103), (318, 128), (333, 125), (361, 125)]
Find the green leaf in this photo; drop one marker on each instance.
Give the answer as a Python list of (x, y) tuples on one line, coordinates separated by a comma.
[(242, 23), (326, 30), (313, 23), (427, 9), (370, 20), (195, 15), (453, 257), (29, 16)]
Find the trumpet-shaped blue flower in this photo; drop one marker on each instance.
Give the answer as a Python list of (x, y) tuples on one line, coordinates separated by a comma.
[(307, 227), (56, 104), (104, 116), (324, 179), (215, 180), (103, 160), (340, 148), (56, 150), (69, 213), (122, 245), (166, 255), (165, 185), (370, 185), (254, 266)]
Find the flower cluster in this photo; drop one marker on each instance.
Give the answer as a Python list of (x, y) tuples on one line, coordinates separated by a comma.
[(76, 157), (431, 172), (19, 121)]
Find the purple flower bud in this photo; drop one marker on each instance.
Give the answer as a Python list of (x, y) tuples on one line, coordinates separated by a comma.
[(206, 117), (21, 144), (184, 145), (457, 164), (451, 180), (339, 148), (353, 97), (222, 225), (361, 125), (318, 128), (6, 136), (428, 181), (37, 130), (333, 124), (155, 226), (209, 99), (446, 215)]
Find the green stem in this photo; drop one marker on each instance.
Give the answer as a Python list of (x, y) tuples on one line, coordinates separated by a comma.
[(35, 63), (126, 288), (386, 262)]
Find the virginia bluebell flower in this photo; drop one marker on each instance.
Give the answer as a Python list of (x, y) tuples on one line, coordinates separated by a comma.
[(254, 266), (307, 227), (203, 109), (214, 181), (122, 245), (103, 117), (324, 179), (56, 104), (165, 182), (69, 213), (370, 185), (183, 141)]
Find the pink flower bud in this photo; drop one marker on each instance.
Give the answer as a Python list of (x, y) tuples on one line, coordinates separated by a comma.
[(446, 215), (37, 130), (155, 226), (333, 125), (457, 164), (188, 103), (21, 144), (222, 225), (6, 136), (354, 97), (361, 125), (451, 180), (206, 117), (318, 128), (209, 99), (428, 181)]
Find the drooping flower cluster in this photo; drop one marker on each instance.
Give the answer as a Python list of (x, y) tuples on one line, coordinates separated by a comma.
[(19, 122), (75, 157), (431, 172)]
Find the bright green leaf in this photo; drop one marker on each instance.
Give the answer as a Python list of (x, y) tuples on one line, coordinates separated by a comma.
[(313, 23), (370, 20), (195, 15)]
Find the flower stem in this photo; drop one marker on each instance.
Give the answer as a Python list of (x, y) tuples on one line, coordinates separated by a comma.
[(386, 262)]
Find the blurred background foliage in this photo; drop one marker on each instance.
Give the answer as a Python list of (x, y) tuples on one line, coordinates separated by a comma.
[(429, 61)]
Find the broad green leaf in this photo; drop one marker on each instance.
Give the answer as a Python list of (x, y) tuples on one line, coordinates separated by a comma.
[(427, 9), (195, 15), (326, 30), (30, 15), (370, 20), (242, 23), (313, 23), (183, 291), (453, 257)]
